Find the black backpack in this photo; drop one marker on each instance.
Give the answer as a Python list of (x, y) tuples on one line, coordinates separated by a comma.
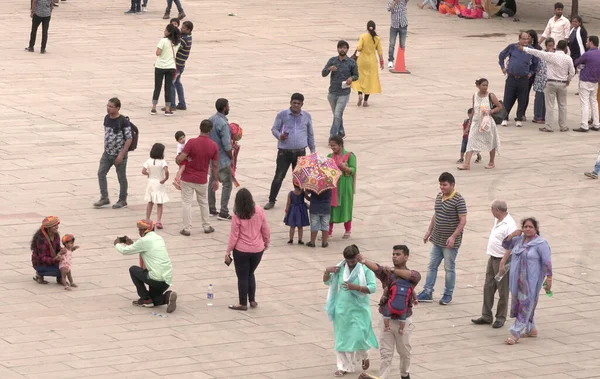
[(134, 132)]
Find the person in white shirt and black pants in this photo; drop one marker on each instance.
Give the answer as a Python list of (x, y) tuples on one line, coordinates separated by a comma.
[(504, 225)]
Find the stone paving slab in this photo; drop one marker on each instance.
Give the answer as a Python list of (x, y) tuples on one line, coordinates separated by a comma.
[(52, 140)]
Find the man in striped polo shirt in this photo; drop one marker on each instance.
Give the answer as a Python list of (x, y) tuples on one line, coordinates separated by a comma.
[(445, 233), (182, 55)]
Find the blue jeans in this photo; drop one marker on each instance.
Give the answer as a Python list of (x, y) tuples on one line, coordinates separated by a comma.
[(48, 271), (539, 107), (338, 104), (177, 4), (319, 222), (433, 3), (394, 32), (106, 162), (597, 167), (439, 253), (177, 86)]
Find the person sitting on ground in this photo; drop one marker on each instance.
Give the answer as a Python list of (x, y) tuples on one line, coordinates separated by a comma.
[(450, 7), (156, 270), (45, 249)]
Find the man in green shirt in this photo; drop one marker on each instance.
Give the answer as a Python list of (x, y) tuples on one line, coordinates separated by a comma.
[(156, 270)]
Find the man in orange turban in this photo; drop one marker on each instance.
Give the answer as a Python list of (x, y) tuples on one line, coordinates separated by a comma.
[(45, 246), (156, 270)]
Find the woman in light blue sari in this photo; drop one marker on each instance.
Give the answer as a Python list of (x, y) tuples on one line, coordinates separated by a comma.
[(531, 263), (350, 284)]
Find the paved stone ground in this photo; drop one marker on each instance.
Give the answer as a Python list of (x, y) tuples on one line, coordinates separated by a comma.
[(52, 140)]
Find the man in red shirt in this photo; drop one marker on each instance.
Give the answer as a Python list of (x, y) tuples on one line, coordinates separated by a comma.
[(201, 151)]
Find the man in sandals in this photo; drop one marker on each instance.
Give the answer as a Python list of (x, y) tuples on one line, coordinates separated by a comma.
[(392, 339), (156, 268)]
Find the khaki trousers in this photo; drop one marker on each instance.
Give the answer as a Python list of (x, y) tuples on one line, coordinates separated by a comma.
[(489, 290), (187, 196), (390, 339), (556, 91)]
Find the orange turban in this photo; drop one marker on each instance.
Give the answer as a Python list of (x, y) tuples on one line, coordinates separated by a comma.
[(67, 238), (50, 221), (236, 131), (146, 225)]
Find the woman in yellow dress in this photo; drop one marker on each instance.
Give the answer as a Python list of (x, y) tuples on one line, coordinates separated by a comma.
[(368, 75)]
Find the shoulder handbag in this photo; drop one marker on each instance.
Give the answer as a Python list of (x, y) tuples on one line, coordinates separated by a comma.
[(174, 60), (354, 56), (501, 114)]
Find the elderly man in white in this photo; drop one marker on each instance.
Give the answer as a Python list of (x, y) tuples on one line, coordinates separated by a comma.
[(503, 226)]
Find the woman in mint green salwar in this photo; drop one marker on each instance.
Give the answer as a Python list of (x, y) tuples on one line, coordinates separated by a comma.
[(350, 284), (342, 197)]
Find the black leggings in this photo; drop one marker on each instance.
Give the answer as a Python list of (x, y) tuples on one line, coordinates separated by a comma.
[(366, 95), (168, 74), (245, 265)]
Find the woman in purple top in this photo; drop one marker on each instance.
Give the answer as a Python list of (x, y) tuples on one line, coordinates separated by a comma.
[(531, 263)]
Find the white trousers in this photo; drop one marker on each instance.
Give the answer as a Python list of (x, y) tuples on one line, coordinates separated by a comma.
[(348, 361), (187, 196), (390, 339), (588, 98)]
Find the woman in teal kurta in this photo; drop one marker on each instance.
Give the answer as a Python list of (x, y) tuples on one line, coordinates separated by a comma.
[(342, 197), (350, 284)]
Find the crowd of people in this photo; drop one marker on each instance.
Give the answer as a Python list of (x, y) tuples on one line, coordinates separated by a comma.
[(519, 260)]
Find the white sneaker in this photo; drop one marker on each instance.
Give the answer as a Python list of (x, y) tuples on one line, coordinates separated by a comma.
[(390, 64), (504, 123), (519, 124), (144, 9)]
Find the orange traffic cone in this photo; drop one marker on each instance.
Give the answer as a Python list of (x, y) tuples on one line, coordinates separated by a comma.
[(399, 65)]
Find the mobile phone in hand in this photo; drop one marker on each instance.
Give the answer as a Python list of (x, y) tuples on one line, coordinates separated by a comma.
[(228, 260)]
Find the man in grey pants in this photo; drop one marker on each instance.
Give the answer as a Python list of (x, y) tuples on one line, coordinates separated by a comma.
[(504, 225), (117, 139), (221, 135)]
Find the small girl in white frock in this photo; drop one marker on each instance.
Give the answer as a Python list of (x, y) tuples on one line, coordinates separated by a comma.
[(157, 172)]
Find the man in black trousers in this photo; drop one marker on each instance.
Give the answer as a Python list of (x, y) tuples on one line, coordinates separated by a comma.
[(41, 10), (521, 66)]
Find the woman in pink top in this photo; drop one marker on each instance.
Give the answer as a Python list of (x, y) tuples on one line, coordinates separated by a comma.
[(248, 239)]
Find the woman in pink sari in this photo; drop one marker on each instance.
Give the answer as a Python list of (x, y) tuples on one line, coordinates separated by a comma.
[(342, 197)]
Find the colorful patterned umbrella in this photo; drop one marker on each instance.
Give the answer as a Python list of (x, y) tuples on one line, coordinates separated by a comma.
[(316, 173)]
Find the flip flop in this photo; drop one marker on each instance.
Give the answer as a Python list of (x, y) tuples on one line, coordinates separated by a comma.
[(545, 130), (339, 373), (463, 168), (36, 279), (511, 341), (490, 166), (159, 225), (366, 364), (346, 235)]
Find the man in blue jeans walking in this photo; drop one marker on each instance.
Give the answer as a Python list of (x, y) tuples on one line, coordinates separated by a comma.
[(398, 26), (343, 72), (182, 55), (445, 233)]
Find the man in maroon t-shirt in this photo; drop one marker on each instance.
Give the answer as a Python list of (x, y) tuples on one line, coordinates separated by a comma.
[(201, 151)]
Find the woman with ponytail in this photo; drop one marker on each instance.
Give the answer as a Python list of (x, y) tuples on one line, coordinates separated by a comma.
[(368, 75), (164, 67)]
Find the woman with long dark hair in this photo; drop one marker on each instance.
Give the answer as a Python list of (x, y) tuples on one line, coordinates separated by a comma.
[(368, 76), (577, 38), (45, 249), (249, 238), (530, 268), (164, 67)]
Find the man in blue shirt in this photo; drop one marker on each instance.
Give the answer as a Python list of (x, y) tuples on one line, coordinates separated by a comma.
[(221, 135), (521, 66), (294, 131), (343, 72)]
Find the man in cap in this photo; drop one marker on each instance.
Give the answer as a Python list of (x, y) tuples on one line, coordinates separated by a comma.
[(156, 270)]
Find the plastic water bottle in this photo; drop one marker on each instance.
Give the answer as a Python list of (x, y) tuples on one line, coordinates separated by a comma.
[(499, 277), (210, 295), (548, 292)]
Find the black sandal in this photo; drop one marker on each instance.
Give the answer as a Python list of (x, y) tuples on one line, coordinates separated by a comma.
[(478, 159), (39, 280)]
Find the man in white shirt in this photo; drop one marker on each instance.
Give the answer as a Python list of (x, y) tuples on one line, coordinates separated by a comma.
[(559, 27), (503, 226), (560, 73)]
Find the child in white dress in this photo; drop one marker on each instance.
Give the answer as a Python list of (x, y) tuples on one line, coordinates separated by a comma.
[(181, 141), (157, 172)]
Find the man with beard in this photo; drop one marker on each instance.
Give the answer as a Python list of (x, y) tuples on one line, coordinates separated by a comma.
[(221, 135), (343, 72), (558, 27)]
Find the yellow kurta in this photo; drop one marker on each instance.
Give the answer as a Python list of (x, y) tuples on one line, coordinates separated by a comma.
[(368, 65)]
